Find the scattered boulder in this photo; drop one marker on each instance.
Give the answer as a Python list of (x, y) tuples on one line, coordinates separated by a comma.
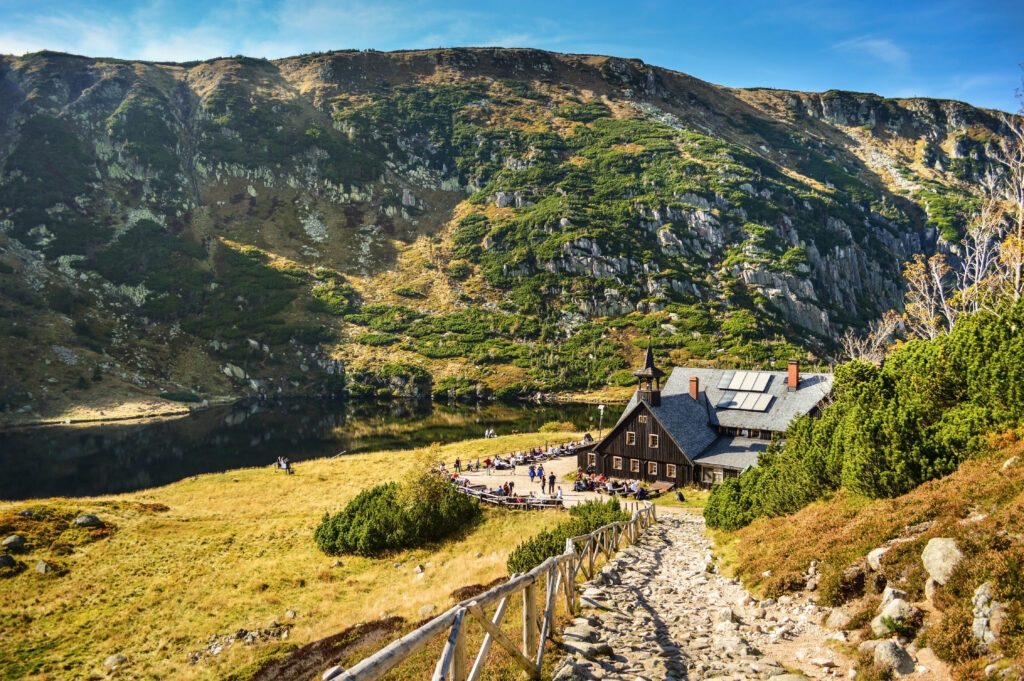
[(940, 556), (43, 568), (891, 594), (838, 619), (114, 661), (895, 615), (989, 615), (1010, 463), (891, 656), (87, 520), (15, 542), (7, 561), (290, 614), (418, 569), (875, 557)]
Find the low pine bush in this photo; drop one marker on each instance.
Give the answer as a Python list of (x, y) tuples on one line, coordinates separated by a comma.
[(397, 516), (585, 518)]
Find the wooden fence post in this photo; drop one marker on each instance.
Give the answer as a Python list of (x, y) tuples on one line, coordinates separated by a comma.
[(530, 621)]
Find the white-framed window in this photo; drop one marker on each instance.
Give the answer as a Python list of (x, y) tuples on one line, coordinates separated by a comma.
[(652, 441), (617, 463), (642, 418), (591, 459), (652, 468), (634, 465), (670, 470), (630, 437)]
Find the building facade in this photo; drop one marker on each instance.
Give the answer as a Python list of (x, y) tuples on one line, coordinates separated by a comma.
[(705, 425)]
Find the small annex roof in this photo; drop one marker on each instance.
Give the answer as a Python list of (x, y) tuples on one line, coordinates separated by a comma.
[(736, 453), (774, 409)]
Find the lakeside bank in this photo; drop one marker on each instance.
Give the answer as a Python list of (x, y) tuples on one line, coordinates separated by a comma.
[(178, 566)]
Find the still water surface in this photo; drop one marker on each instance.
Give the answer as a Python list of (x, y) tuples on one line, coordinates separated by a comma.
[(124, 457)]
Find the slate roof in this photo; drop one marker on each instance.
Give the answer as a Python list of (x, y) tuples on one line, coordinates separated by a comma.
[(684, 420), (691, 423), (785, 406), (738, 453)]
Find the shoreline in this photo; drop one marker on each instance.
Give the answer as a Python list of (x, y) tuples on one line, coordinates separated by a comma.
[(141, 415)]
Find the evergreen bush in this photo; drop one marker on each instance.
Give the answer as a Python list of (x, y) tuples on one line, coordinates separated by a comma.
[(893, 427), (395, 516), (585, 518)]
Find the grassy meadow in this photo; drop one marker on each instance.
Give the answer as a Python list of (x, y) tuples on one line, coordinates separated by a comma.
[(212, 554)]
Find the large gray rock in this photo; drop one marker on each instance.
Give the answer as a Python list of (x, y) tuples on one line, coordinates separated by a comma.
[(13, 542), (940, 557), (7, 561), (43, 568), (891, 594), (896, 612), (891, 656), (875, 557), (838, 619), (989, 615), (88, 520)]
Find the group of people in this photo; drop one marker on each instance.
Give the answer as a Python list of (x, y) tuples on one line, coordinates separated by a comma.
[(284, 464), (509, 490), (588, 481), (489, 433), (547, 486)]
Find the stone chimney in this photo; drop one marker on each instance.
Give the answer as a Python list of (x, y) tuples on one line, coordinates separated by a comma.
[(694, 387), (794, 374)]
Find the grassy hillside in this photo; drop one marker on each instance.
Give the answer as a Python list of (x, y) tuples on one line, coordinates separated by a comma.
[(471, 222), (213, 554), (981, 506)]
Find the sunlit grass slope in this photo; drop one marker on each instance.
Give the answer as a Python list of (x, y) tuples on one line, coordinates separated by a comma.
[(216, 553)]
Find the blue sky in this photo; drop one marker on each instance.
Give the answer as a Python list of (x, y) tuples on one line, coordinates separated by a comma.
[(942, 48)]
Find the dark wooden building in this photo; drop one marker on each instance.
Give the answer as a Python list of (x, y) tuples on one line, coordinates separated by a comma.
[(706, 425)]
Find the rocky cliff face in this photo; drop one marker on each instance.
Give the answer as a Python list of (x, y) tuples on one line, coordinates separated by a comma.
[(243, 225)]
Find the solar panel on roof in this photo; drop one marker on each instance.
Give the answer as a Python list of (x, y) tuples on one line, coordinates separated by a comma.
[(762, 381), (762, 403), (728, 400), (751, 400), (748, 381), (737, 380), (725, 380)]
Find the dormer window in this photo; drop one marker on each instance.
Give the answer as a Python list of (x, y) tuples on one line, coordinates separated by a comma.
[(642, 418)]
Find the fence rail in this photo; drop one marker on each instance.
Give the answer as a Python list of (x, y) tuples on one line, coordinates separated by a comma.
[(556, 577), (527, 503)]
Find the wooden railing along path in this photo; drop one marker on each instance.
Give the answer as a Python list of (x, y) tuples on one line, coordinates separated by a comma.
[(556, 576)]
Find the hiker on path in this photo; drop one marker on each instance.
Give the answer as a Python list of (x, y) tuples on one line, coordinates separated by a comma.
[(551, 483), (458, 465), (533, 473)]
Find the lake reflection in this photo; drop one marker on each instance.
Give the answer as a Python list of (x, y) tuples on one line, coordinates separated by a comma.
[(123, 457)]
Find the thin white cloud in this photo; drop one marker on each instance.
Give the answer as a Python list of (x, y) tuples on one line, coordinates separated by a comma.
[(883, 50)]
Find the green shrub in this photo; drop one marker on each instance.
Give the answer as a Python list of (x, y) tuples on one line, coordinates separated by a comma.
[(585, 518), (391, 516), (376, 339)]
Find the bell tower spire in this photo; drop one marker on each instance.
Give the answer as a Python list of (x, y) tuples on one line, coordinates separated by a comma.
[(649, 380)]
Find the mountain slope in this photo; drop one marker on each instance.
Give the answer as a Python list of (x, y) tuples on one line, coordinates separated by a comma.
[(499, 220)]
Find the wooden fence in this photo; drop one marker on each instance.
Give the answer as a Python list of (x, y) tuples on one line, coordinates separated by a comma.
[(515, 501), (555, 578)]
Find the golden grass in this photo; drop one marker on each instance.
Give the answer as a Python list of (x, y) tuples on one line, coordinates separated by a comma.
[(233, 550), (981, 506), (695, 499)]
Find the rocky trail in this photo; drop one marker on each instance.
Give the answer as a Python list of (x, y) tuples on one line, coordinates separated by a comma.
[(657, 612)]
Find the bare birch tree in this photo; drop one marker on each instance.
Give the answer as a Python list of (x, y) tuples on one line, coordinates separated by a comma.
[(872, 345)]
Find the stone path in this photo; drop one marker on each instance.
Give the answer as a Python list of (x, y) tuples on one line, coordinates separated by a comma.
[(656, 612)]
